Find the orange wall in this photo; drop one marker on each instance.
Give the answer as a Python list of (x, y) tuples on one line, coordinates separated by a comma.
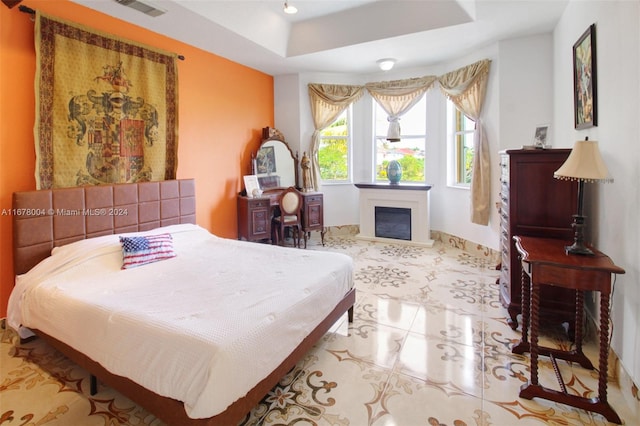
[(223, 107)]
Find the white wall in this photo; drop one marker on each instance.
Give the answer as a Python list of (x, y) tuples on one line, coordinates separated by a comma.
[(613, 212), (525, 70)]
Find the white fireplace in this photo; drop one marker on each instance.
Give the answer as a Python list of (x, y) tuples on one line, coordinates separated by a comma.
[(398, 198)]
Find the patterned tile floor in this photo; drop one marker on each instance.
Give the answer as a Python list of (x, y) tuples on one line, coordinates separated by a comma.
[(429, 346)]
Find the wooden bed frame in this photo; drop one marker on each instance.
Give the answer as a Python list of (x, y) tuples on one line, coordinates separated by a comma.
[(49, 218)]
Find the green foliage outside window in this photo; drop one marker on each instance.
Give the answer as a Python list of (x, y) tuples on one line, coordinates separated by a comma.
[(464, 129), (333, 153), (468, 159)]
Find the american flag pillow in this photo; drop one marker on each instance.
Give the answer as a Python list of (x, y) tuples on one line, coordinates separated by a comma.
[(138, 251)]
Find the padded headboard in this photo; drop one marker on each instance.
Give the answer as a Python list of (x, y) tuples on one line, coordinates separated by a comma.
[(48, 218)]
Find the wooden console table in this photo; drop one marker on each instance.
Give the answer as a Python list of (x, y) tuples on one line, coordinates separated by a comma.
[(544, 262)]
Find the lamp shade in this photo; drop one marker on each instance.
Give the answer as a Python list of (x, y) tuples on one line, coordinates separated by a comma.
[(584, 164)]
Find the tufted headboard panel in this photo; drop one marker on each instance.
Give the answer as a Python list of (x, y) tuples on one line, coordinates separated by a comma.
[(48, 218)]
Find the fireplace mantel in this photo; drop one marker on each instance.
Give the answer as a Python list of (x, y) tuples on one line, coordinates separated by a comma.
[(408, 195), (406, 186)]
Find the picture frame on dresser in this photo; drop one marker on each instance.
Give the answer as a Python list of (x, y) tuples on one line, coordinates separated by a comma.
[(541, 137), (585, 88), (251, 185)]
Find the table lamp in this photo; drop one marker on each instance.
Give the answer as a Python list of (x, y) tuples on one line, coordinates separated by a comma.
[(584, 164)]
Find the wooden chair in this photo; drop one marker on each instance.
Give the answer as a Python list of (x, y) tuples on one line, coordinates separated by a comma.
[(290, 202)]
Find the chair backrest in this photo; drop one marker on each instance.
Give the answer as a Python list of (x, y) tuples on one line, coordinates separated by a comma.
[(290, 201)]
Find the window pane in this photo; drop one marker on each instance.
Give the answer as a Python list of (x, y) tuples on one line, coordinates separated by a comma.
[(410, 151), (333, 152), (465, 156), (461, 143), (469, 124), (413, 122), (333, 159)]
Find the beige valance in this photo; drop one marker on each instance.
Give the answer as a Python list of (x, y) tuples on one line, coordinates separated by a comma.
[(397, 97)]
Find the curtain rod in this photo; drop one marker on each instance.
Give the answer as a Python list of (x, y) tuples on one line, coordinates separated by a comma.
[(30, 11)]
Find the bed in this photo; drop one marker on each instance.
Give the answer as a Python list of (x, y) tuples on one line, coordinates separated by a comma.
[(194, 320)]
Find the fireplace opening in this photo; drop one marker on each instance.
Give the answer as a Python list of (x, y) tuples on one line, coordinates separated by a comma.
[(393, 222)]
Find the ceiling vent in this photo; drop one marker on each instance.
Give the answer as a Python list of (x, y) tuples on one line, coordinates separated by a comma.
[(142, 6)]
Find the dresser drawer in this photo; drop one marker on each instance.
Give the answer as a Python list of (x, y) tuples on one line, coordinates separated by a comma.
[(256, 203), (313, 199)]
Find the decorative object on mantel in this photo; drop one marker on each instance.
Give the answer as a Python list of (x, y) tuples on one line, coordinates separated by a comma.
[(584, 164), (108, 114), (585, 93), (394, 171)]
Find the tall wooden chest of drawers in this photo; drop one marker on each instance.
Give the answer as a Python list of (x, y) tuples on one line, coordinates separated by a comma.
[(534, 203)]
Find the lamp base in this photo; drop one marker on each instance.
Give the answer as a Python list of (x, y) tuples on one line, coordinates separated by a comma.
[(578, 249), (578, 246)]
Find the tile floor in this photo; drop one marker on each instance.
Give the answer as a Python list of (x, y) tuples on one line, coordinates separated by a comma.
[(429, 345)]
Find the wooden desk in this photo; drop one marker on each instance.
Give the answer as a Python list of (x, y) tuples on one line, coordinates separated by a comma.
[(254, 215), (544, 262)]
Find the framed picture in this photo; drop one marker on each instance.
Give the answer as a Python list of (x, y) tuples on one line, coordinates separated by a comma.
[(252, 186), (585, 93), (541, 136)]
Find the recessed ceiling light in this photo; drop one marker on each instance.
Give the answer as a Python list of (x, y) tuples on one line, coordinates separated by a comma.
[(386, 64), (290, 9)]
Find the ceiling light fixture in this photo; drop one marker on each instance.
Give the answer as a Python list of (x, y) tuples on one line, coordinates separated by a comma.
[(290, 9), (386, 64)]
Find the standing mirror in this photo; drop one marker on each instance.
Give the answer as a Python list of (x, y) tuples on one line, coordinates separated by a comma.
[(274, 163)]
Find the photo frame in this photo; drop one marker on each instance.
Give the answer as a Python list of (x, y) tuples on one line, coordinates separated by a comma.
[(541, 137), (252, 186), (585, 93)]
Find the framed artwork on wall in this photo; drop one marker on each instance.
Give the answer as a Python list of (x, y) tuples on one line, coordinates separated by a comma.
[(585, 94)]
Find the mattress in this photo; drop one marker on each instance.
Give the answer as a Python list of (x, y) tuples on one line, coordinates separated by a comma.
[(203, 327)]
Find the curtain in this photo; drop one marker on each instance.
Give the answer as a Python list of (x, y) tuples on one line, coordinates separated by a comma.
[(466, 88), (328, 101), (397, 97)]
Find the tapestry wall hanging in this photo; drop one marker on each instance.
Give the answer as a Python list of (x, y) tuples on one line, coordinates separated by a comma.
[(106, 109)]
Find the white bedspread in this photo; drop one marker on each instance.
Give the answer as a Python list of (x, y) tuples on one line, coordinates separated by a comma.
[(202, 328)]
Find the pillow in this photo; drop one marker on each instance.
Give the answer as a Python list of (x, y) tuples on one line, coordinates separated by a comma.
[(138, 251)]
